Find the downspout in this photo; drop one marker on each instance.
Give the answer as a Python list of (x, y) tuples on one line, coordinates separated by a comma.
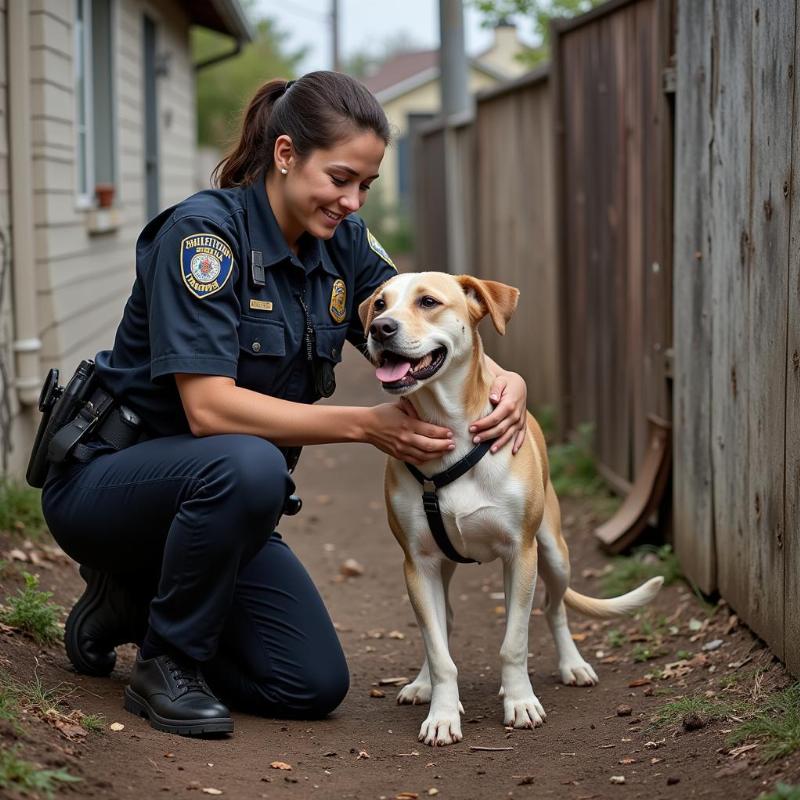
[(27, 344)]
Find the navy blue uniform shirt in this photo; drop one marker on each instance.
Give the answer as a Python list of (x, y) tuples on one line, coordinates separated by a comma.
[(197, 307)]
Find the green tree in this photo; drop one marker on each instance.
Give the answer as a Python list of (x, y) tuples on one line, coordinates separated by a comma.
[(224, 89), (542, 11)]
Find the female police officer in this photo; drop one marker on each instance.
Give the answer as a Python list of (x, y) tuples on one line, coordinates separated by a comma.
[(243, 299)]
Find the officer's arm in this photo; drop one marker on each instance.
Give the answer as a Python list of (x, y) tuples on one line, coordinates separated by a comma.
[(216, 405)]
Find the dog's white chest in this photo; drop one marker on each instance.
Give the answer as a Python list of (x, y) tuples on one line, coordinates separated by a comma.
[(482, 514)]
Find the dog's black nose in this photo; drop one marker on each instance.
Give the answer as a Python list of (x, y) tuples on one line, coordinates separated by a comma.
[(383, 328)]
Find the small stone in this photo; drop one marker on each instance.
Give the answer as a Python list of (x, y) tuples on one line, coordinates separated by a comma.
[(116, 726), (713, 645), (617, 779), (376, 693), (624, 711), (672, 780), (351, 568)]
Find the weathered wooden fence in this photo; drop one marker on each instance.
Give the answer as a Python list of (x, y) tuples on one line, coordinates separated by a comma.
[(737, 321), (705, 250)]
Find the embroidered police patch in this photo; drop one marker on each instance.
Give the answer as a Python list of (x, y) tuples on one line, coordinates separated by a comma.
[(206, 263), (377, 247), (338, 300)]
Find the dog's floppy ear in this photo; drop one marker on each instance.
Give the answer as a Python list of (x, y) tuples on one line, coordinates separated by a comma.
[(490, 297), (366, 312)]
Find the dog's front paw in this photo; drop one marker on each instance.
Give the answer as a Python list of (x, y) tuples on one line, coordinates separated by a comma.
[(526, 712), (440, 729), (577, 673)]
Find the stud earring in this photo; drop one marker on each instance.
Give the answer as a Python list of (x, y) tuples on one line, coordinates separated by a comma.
[(284, 171)]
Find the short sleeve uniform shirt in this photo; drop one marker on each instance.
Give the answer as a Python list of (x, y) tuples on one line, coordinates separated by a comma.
[(219, 292)]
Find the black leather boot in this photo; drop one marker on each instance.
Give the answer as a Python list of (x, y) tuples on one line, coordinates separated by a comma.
[(106, 615), (173, 695)]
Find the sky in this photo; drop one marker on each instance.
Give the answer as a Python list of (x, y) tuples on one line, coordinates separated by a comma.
[(366, 25)]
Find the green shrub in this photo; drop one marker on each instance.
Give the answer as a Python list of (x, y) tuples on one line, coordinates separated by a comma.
[(23, 776), (31, 611)]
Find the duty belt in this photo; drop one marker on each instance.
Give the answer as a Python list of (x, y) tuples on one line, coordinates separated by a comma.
[(430, 500)]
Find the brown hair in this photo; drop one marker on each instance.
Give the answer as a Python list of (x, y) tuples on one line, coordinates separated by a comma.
[(315, 111)]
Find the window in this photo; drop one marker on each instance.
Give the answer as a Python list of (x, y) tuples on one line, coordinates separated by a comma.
[(94, 117)]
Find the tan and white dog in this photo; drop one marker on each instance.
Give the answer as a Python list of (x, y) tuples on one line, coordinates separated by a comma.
[(422, 334)]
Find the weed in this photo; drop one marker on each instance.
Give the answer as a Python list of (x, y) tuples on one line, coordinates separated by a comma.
[(31, 611), (782, 791), (9, 708), (94, 723), (776, 724), (642, 652), (683, 655), (23, 776), (21, 509), (572, 465), (710, 708), (615, 638), (646, 562)]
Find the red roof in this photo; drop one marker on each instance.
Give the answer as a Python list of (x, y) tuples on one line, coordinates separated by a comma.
[(401, 67)]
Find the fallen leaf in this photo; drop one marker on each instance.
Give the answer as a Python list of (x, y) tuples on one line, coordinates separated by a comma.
[(695, 624), (17, 555), (654, 745), (364, 754), (280, 765), (399, 680), (71, 730), (117, 726), (211, 790), (376, 693), (396, 635), (351, 568), (639, 682), (433, 791), (627, 761), (579, 637), (406, 796)]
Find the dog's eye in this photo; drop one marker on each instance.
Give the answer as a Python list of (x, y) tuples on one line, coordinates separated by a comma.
[(379, 305), (429, 302)]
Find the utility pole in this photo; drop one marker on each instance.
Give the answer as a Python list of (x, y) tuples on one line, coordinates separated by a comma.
[(335, 35), (456, 102), (453, 58)]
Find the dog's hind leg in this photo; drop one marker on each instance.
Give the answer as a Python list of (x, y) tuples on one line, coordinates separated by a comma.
[(556, 573), (418, 692), (521, 707)]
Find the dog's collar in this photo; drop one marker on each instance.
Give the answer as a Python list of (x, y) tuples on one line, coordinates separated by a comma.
[(430, 500)]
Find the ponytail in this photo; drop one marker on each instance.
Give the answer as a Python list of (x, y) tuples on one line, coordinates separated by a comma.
[(316, 111), (245, 161)]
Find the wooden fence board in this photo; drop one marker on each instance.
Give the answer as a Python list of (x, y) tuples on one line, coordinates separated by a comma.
[(728, 255), (692, 505), (791, 572), (773, 100)]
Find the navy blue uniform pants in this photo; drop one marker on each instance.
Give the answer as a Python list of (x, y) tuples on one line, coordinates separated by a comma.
[(189, 523)]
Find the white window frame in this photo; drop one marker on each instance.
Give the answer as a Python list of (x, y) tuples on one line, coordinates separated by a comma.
[(85, 163)]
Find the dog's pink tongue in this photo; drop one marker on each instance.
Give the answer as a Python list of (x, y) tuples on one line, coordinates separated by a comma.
[(389, 373)]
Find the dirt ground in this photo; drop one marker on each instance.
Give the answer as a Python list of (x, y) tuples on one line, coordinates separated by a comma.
[(368, 748)]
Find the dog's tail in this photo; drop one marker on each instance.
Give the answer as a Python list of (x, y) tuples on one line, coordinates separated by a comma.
[(613, 606)]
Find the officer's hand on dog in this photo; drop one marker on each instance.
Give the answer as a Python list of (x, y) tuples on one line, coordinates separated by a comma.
[(395, 429), (508, 420)]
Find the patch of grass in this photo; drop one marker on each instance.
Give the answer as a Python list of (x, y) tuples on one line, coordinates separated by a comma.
[(572, 465), (31, 611), (9, 707), (710, 708), (23, 776), (616, 638), (21, 509), (548, 422), (683, 655), (645, 562), (643, 652), (775, 724), (94, 723), (782, 791)]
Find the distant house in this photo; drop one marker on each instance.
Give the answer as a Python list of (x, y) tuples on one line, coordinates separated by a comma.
[(97, 99), (407, 86)]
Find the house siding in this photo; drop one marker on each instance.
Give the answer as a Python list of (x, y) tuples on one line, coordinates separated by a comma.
[(83, 279)]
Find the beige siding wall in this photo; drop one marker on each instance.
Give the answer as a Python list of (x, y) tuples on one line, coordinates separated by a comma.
[(83, 279)]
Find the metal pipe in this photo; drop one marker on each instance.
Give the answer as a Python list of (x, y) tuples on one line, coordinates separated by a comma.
[(454, 65), (27, 344)]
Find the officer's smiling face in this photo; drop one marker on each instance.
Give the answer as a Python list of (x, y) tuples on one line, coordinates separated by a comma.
[(318, 192)]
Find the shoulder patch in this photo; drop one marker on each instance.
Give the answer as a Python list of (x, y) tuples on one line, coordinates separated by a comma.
[(378, 248), (206, 263)]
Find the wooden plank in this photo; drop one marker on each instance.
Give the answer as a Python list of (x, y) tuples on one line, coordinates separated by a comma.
[(791, 634), (771, 146), (693, 504)]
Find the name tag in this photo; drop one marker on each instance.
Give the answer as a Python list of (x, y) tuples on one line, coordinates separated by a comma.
[(261, 305)]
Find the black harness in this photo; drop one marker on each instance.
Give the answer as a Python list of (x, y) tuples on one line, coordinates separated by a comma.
[(430, 500)]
